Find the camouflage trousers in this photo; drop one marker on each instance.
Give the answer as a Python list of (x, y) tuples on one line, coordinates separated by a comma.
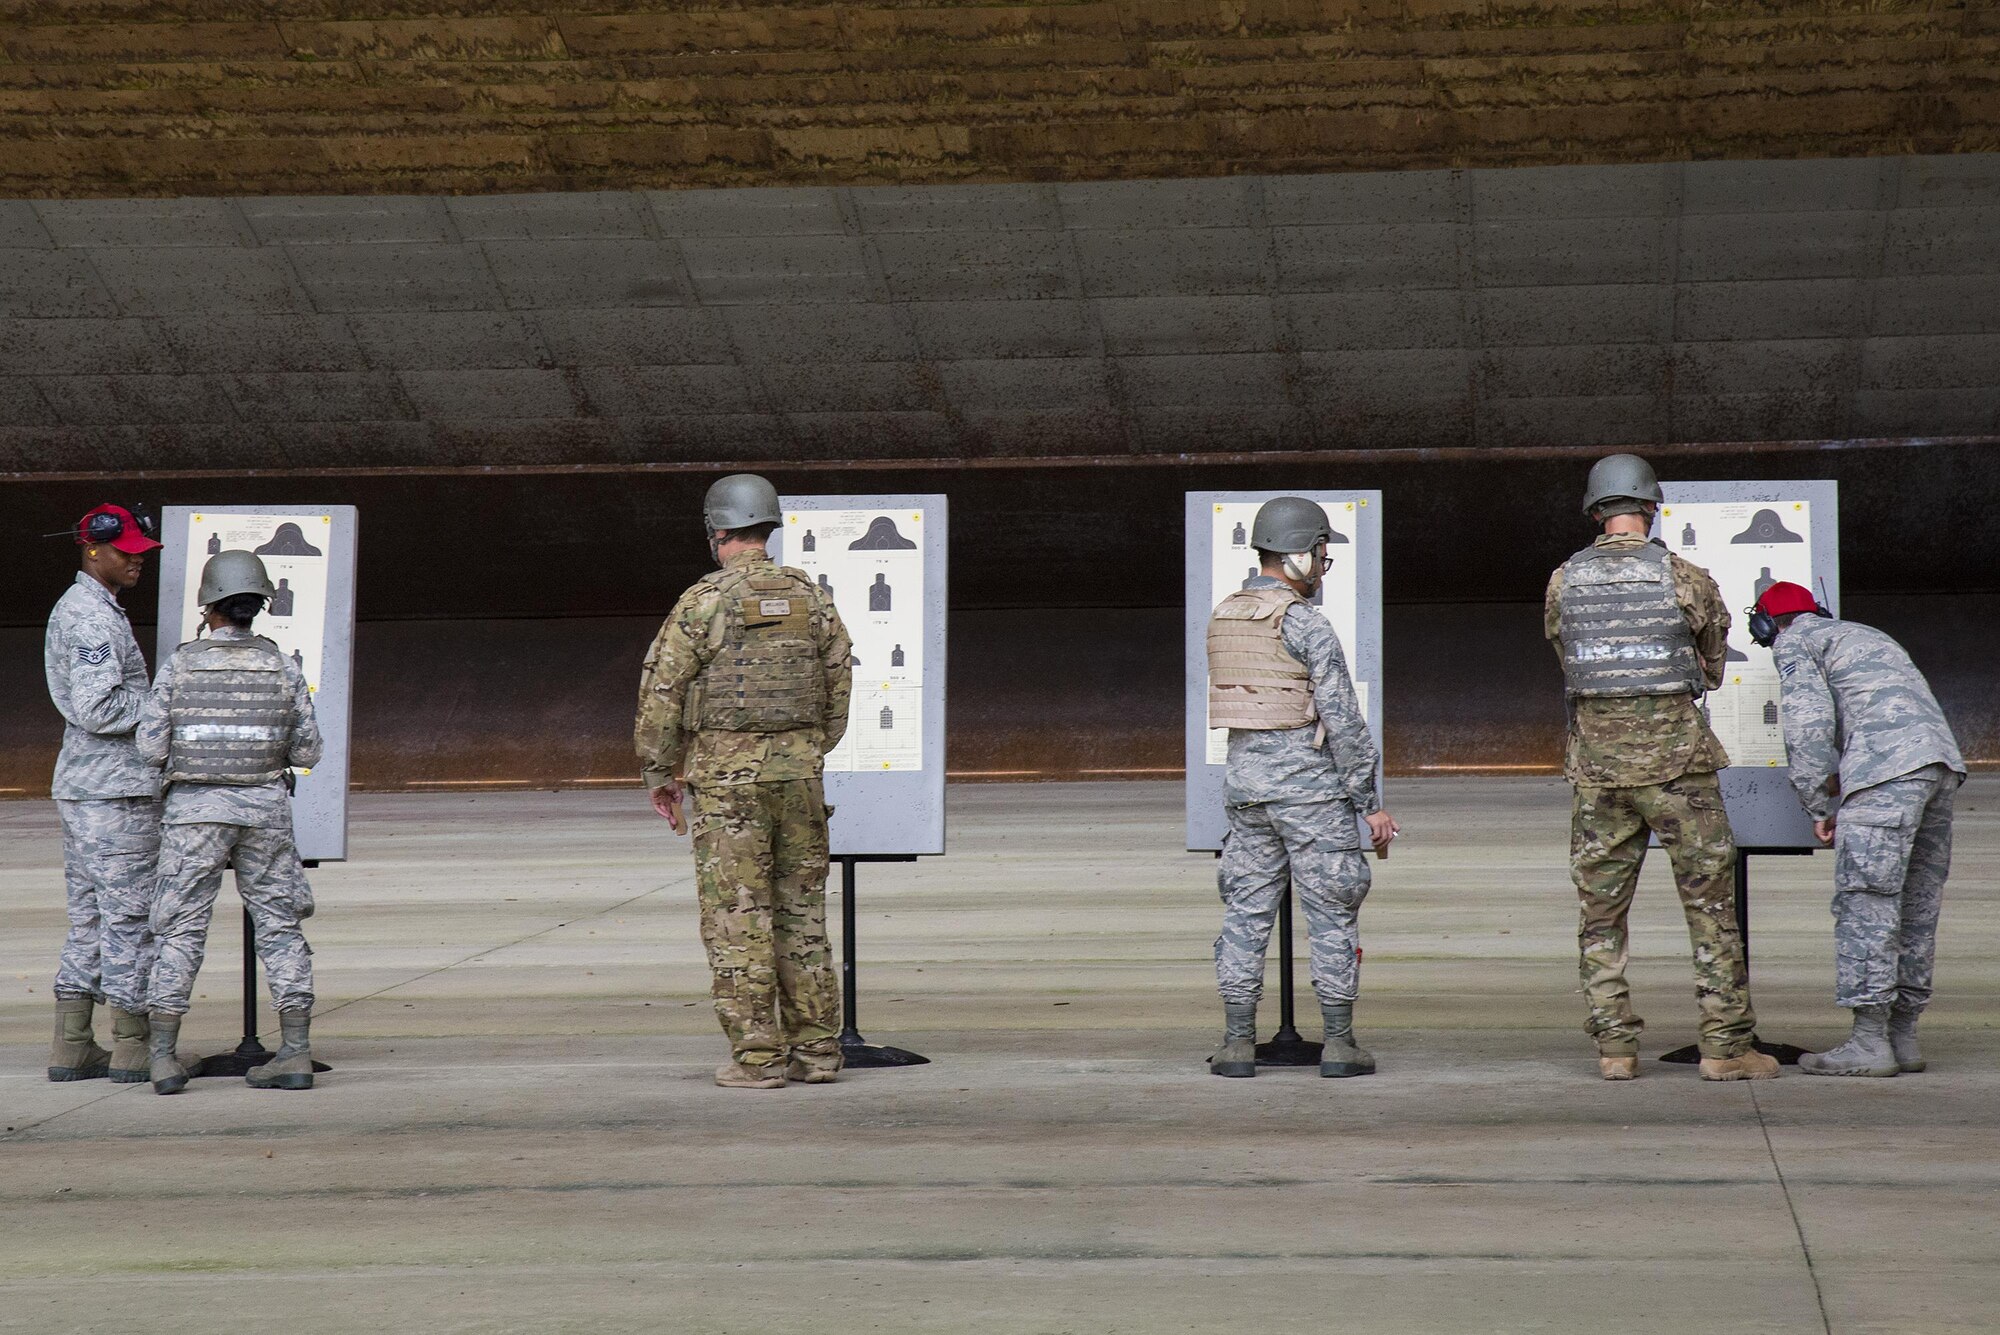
[(760, 856), (274, 889), (111, 849), (1308, 846), (1892, 851), (1608, 829)]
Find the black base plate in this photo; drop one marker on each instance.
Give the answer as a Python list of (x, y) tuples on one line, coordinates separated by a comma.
[(1786, 1053), (239, 1063), (1289, 1051), (865, 1056)]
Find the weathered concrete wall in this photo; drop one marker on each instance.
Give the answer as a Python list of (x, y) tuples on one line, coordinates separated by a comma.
[(175, 97)]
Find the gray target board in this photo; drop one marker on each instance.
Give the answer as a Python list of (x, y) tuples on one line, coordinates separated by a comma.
[(308, 551), (1748, 535), (883, 561), (1219, 559)]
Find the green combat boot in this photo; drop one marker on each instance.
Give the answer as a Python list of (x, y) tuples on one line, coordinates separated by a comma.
[(292, 1066), (168, 1072), (75, 1055), (1902, 1039), (1866, 1052), (815, 1063), (1342, 1056), (1237, 1057), (130, 1062)]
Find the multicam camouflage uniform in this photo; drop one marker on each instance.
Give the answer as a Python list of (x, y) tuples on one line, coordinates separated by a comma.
[(758, 819), (107, 796), (1861, 722), (1292, 802), (1645, 763), (211, 825)]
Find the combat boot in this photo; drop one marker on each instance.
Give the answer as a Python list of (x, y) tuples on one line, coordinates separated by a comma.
[(735, 1075), (1618, 1068), (75, 1055), (815, 1063), (291, 1067), (169, 1073), (1748, 1064), (1867, 1051), (1902, 1039), (1237, 1057), (130, 1063), (1342, 1056)]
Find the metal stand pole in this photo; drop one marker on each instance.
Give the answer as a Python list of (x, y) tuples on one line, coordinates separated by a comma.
[(855, 1050), (1787, 1054), (1287, 1047)]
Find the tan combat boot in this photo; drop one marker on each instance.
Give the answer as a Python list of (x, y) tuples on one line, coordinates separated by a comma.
[(75, 1055), (130, 1062), (292, 1065), (1618, 1068), (735, 1075), (169, 1071), (815, 1063), (1748, 1064)]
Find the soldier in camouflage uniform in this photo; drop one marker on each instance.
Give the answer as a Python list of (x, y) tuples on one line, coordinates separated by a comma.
[(1641, 633), (108, 800), (1300, 782), (228, 716), (1876, 765), (744, 691)]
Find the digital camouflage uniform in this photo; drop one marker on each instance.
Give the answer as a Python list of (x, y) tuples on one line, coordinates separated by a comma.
[(106, 795), (1647, 763), (1292, 802), (1861, 722), (212, 825), (758, 816)]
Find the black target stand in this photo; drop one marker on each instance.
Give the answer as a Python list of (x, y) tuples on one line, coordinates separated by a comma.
[(857, 1052), (249, 1053), (1287, 1047), (1787, 1054)]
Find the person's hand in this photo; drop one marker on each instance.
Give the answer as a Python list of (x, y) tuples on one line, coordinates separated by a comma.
[(1382, 828), (667, 801), (1823, 831)]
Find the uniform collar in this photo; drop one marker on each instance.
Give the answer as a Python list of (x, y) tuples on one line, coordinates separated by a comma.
[(1608, 539), (232, 633), (1263, 582), (744, 558), (89, 581)]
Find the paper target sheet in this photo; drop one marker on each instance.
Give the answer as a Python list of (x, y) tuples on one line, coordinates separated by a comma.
[(1234, 564), (871, 563), (1745, 546), (293, 549)]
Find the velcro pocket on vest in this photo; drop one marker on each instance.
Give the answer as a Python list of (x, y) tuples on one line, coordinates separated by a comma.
[(774, 614), (1244, 611)]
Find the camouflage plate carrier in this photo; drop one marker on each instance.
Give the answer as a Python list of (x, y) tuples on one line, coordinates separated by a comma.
[(765, 675), (1623, 631), (231, 712)]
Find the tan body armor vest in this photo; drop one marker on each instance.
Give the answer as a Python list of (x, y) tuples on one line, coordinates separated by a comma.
[(765, 675), (231, 712), (1253, 679)]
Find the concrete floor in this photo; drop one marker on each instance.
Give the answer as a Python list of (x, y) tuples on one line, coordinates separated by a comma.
[(520, 1133)]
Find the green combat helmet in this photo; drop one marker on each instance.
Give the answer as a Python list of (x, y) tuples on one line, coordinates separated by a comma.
[(231, 572), (1289, 524), (1621, 477), (738, 501)]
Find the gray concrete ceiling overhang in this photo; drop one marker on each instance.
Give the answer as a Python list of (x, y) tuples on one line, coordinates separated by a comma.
[(1505, 308)]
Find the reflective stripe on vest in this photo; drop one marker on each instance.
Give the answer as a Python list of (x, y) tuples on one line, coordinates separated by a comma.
[(232, 713), (1254, 681), (766, 674), (1623, 631)]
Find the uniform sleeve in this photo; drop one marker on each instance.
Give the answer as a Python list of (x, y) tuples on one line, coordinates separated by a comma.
[(100, 702), (1808, 710), (1707, 617), (673, 662), (307, 744), (1552, 612), (834, 657), (1312, 641), (155, 734)]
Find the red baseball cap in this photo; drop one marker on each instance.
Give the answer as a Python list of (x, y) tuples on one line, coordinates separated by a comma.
[(1784, 597), (129, 538)]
